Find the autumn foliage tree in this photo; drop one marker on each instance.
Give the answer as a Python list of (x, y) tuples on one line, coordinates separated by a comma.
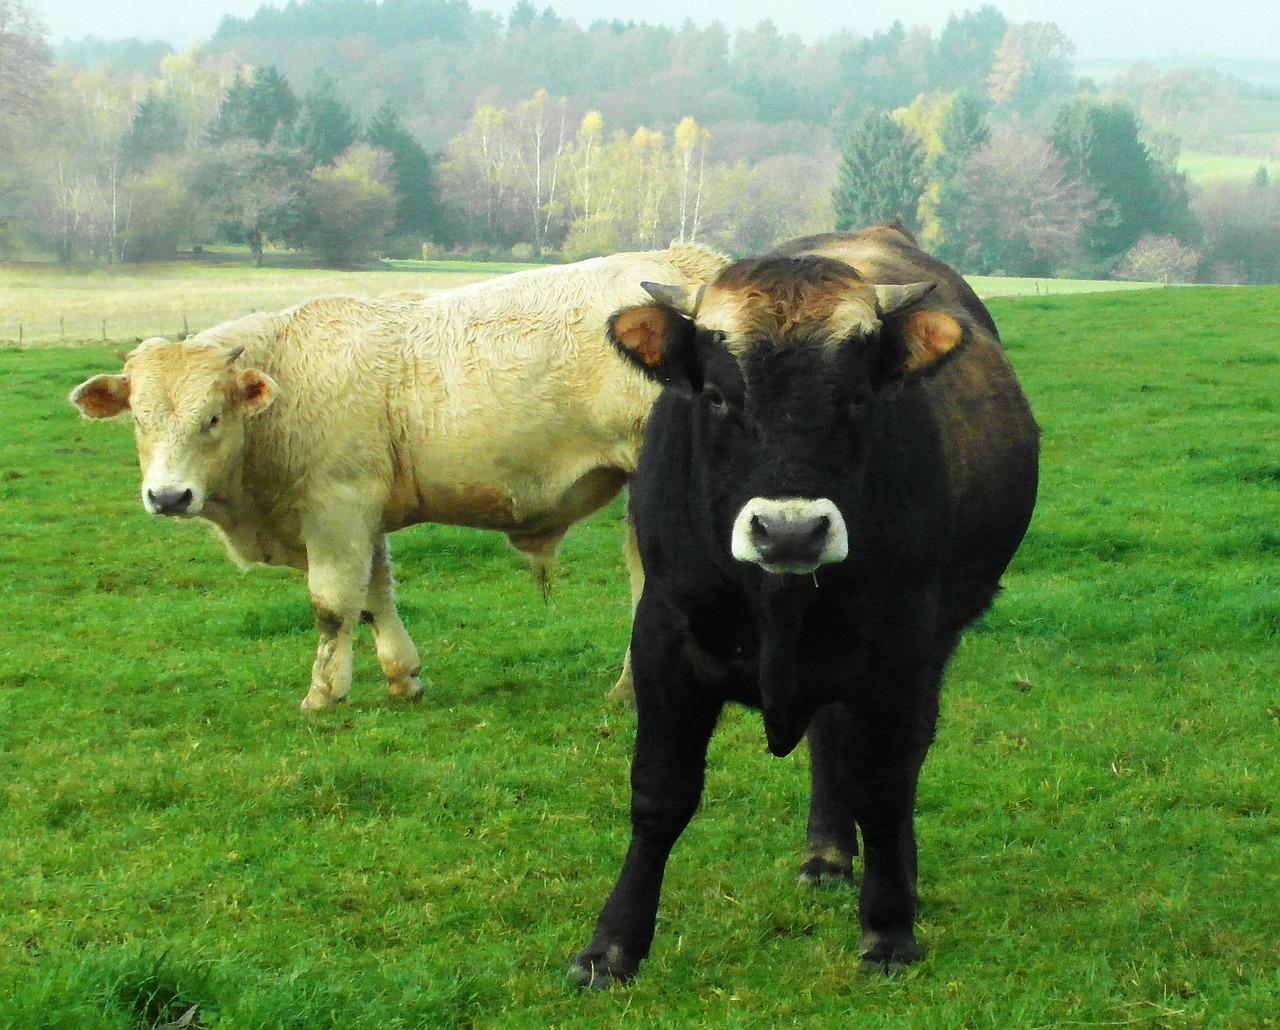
[(349, 207)]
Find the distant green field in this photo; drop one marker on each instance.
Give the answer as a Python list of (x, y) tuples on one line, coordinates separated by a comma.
[(1200, 167), (1098, 821), (44, 305)]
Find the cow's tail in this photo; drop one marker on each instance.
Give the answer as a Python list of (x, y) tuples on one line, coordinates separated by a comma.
[(543, 570)]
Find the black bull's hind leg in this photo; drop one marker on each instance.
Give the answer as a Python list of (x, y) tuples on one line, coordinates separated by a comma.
[(865, 763)]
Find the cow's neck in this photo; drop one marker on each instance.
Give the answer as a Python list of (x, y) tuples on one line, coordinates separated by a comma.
[(250, 534)]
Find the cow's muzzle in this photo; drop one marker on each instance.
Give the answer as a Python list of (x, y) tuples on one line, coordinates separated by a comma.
[(171, 501), (794, 535)]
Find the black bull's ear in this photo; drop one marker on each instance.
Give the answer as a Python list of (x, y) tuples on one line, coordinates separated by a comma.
[(917, 341), (657, 339)]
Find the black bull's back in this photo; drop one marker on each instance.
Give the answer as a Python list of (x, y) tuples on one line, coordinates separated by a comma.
[(933, 484)]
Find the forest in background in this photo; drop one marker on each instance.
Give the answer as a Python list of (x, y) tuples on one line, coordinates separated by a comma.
[(349, 130)]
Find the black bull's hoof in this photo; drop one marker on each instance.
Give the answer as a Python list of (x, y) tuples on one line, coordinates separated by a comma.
[(599, 967), (888, 954)]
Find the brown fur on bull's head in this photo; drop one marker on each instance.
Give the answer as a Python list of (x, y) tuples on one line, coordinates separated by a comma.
[(776, 300), (189, 403)]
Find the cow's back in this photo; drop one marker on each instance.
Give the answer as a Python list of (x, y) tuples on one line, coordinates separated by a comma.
[(511, 384)]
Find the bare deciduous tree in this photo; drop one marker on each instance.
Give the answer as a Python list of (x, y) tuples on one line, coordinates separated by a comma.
[(1016, 208)]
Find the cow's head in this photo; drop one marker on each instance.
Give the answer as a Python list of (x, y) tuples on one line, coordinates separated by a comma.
[(189, 403), (785, 363)]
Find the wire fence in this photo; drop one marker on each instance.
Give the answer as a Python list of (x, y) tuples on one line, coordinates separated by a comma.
[(23, 332)]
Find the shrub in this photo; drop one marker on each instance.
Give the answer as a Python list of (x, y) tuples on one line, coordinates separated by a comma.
[(1163, 259)]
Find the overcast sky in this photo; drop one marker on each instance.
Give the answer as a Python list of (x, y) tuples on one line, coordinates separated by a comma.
[(1130, 29)]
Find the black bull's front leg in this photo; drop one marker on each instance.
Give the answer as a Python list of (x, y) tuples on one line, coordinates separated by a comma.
[(667, 774), (674, 726)]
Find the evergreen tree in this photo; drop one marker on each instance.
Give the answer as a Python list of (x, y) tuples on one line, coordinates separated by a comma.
[(873, 72), (880, 175), (417, 211), (262, 108), (1101, 143), (964, 129), (966, 48), (157, 130), (326, 126)]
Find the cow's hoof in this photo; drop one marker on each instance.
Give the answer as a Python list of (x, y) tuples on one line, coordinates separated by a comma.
[(409, 689), (823, 872), (317, 702), (888, 954), (599, 968), (622, 693)]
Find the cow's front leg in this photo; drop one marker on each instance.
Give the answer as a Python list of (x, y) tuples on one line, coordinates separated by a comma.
[(397, 654), (339, 562), (667, 773)]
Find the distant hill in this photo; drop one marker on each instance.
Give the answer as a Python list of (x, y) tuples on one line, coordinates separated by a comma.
[(1263, 75), (126, 56)]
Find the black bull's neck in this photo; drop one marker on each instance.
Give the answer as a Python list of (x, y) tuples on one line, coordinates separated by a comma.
[(781, 606)]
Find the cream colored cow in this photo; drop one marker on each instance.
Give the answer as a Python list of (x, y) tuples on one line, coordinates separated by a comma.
[(305, 436)]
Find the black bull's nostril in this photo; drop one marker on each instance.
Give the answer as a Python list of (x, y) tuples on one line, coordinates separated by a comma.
[(170, 502), (778, 537)]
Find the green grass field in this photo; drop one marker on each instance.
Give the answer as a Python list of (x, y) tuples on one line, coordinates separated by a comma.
[(1201, 167), (1098, 820)]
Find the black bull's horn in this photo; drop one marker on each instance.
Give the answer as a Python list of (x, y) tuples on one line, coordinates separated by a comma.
[(685, 299)]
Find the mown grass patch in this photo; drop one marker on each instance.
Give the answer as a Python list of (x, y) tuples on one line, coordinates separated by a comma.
[(42, 305), (1098, 819)]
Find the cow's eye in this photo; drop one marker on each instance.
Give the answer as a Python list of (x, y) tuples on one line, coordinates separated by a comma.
[(859, 403), (212, 423), (716, 399)]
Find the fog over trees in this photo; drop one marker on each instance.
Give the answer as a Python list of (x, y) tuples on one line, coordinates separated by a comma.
[(350, 130)]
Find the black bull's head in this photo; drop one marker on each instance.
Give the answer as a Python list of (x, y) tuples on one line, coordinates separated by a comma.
[(783, 361)]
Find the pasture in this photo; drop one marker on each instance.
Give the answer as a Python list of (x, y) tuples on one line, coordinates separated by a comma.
[(1098, 821), (52, 305), (44, 304)]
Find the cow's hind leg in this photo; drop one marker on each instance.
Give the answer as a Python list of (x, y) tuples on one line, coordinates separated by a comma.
[(893, 725), (833, 834), (623, 692), (396, 651)]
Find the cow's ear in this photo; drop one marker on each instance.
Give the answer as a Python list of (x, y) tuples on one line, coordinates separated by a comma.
[(101, 396), (255, 391), (925, 337), (656, 338)]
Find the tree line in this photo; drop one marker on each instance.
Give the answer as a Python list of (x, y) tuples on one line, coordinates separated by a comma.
[(557, 141)]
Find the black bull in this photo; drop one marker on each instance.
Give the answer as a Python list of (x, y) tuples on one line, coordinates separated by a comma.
[(837, 473)]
